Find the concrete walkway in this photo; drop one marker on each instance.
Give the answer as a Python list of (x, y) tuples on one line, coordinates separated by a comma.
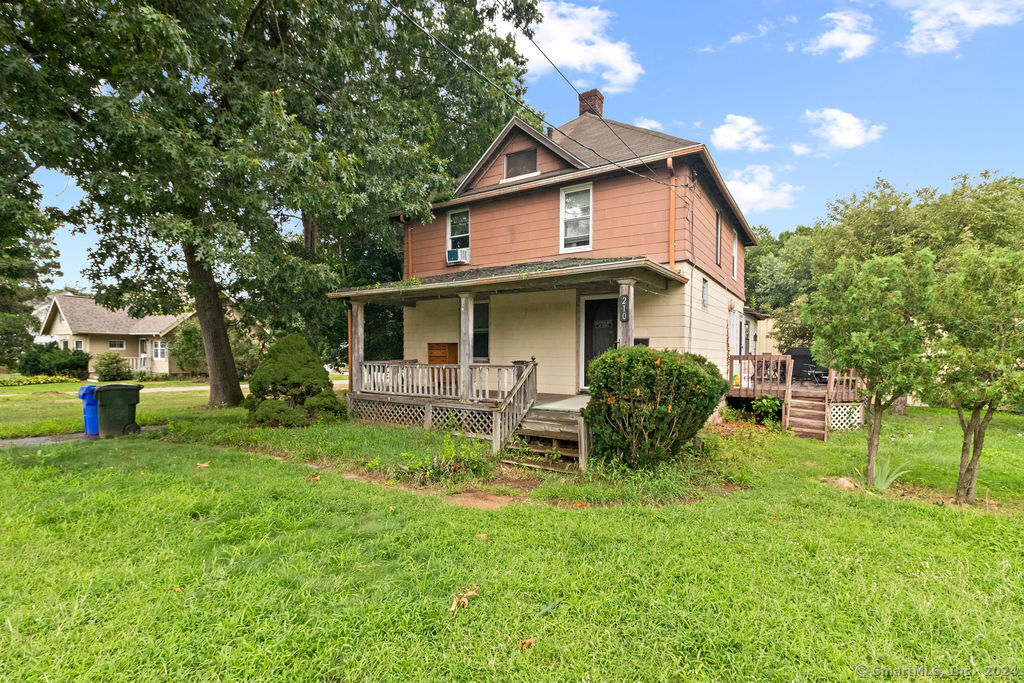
[(60, 438)]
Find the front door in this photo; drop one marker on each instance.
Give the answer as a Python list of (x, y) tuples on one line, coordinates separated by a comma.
[(599, 331), (143, 352)]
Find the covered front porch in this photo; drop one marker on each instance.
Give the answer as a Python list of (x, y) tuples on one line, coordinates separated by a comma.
[(541, 324)]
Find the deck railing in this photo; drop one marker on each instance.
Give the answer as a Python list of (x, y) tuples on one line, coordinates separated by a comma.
[(751, 376), (843, 387), (441, 380)]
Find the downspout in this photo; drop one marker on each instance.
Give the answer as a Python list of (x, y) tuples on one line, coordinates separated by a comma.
[(671, 214)]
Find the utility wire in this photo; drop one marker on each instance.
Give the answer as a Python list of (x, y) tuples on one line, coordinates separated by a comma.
[(520, 104)]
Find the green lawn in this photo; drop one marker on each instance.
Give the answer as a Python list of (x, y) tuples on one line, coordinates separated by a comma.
[(285, 578), (49, 410)]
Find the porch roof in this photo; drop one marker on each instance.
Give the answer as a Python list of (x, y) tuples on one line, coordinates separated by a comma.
[(523, 277)]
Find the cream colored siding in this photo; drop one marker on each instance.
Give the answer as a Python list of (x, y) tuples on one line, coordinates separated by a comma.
[(660, 316), (429, 322), (708, 330), (541, 324)]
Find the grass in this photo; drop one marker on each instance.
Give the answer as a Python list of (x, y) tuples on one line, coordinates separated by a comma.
[(72, 387), (122, 560), (36, 413), (283, 578)]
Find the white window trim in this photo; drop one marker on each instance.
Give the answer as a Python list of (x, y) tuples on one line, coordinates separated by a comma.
[(562, 249), (78, 345), (519, 177), (158, 349), (718, 238), (469, 218), (111, 347), (735, 255)]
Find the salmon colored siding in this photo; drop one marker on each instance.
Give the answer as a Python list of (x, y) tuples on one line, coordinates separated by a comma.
[(705, 204), (494, 173), (629, 215)]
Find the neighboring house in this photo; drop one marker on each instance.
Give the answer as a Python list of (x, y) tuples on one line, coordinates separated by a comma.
[(79, 323), (39, 311), (553, 248)]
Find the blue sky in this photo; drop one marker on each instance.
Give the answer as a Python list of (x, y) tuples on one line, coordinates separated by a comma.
[(798, 102)]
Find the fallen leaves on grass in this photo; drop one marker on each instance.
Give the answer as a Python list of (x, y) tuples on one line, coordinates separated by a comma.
[(483, 537), (203, 464), (176, 589), (315, 478), (463, 599), (527, 644)]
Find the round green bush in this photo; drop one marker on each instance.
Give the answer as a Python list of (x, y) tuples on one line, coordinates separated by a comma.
[(324, 403), (111, 367), (291, 373), (276, 413), (645, 404)]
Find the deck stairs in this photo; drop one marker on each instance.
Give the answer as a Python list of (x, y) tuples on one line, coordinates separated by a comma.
[(807, 416), (549, 439)]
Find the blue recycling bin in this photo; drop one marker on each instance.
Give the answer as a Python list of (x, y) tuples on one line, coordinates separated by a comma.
[(90, 411)]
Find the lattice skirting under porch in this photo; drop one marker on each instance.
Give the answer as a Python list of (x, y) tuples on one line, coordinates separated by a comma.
[(472, 421), (846, 416)]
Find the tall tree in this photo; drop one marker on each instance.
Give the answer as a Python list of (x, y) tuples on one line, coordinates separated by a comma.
[(871, 317), (978, 347), (219, 142)]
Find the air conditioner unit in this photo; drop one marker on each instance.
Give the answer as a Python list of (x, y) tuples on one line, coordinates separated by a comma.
[(457, 256)]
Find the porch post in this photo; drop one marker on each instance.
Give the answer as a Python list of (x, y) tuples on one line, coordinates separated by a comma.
[(355, 345), (625, 310), (465, 345)]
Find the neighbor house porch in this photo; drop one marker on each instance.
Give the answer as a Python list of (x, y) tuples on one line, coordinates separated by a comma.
[(482, 348)]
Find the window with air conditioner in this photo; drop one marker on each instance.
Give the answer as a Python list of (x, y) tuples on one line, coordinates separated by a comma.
[(458, 237), (575, 218)]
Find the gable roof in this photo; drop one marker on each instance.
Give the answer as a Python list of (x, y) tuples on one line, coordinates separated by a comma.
[(601, 143), (84, 316), (516, 123)]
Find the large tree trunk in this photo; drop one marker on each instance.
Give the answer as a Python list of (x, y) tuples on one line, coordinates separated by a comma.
[(224, 386), (875, 430), (970, 452)]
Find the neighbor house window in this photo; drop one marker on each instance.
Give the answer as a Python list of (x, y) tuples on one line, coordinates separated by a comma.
[(159, 350), (718, 238), (116, 345), (704, 294), (458, 229), (79, 345), (522, 163), (735, 255), (576, 212), (64, 344), (60, 317), (481, 331)]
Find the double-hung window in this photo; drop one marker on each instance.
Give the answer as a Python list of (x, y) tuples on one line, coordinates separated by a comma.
[(718, 238), (159, 350), (458, 229), (575, 218), (79, 345)]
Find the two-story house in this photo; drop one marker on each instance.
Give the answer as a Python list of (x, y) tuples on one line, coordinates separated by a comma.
[(557, 246)]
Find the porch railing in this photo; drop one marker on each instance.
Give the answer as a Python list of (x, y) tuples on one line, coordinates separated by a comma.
[(441, 380), (513, 408), (137, 363), (843, 387)]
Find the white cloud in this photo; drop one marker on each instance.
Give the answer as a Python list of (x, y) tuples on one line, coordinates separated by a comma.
[(756, 189), (576, 38), (800, 149), (762, 30), (842, 130), (698, 124), (644, 122), (851, 34), (791, 19), (940, 25), (740, 132)]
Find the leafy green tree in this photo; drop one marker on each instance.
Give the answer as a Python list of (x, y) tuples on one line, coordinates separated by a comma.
[(252, 148), (871, 317), (15, 337), (978, 347)]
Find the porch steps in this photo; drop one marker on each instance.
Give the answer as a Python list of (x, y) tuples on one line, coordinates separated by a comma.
[(550, 440), (807, 417)]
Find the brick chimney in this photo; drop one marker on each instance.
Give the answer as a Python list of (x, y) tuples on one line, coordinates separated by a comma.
[(593, 101)]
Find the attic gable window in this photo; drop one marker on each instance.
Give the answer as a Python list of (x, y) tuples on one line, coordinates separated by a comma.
[(520, 164), (576, 226)]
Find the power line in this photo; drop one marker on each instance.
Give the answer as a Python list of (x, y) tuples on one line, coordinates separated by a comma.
[(522, 105)]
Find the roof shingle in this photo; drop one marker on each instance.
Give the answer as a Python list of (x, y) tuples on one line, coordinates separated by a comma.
[(84, 315)]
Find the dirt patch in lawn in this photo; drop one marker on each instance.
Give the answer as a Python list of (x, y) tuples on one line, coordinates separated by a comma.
[(481, 500)]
